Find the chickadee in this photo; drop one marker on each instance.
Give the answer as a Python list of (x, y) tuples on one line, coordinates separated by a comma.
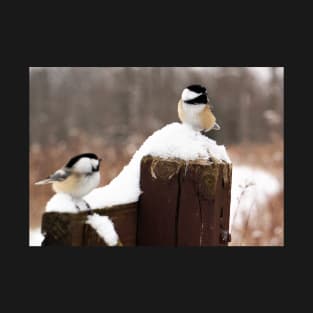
[(77, 178), (194, 109)]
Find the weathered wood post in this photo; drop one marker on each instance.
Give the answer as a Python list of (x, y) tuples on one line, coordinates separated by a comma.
[(70, 229), (184, 203)]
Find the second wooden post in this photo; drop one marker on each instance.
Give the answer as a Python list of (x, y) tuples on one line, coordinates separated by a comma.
[(183, 203)]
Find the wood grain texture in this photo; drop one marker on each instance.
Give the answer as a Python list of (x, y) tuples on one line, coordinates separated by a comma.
[(69, 229), (157, 207), (183, 204)]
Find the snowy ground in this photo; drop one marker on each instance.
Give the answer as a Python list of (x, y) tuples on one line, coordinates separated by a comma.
[(251, 189)]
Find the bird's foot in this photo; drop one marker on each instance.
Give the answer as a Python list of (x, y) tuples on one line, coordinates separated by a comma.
[(88, 207)]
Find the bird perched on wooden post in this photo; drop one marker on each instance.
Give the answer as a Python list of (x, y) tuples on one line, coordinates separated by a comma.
[(77, 177), (194, 109)]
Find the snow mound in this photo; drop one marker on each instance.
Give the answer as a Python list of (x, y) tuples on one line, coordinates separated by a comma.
[(174, 140), (62, 202), (104, 228), (35, 237)]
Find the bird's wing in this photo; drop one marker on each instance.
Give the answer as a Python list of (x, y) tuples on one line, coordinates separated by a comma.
[(59, 175), (215, 126)]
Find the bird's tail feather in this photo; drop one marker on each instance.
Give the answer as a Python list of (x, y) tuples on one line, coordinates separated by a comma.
[(216, 127), (44, 181)]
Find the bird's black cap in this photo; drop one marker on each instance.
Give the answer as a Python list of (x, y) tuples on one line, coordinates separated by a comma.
[(203, 95), (197, 89), (74, 159)]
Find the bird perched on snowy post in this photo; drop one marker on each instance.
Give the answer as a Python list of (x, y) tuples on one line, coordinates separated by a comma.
[(77, 178), (194, 109)]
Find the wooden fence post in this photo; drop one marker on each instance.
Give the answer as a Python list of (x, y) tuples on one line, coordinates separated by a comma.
[(70, 229), (183, 203)]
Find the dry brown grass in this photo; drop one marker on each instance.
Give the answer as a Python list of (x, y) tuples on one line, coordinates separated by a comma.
[(270, 226), (269, 156), (268, 229)]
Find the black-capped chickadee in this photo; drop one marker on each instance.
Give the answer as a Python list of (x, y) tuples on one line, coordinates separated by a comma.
[(194, 109), (78, 177)]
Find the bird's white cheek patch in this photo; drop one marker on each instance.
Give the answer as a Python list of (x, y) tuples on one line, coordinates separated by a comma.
[(94, 163), (83, 165), (189, 95)]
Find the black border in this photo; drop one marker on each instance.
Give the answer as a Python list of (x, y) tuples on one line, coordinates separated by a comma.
[(124, 268)]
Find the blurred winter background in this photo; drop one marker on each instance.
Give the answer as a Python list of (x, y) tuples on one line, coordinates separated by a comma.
[(111, 111)]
